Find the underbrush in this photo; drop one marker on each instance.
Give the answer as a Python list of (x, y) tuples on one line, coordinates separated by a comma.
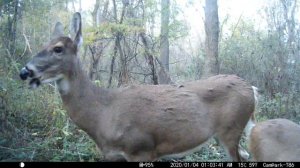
[(34, 126), (210, 152)]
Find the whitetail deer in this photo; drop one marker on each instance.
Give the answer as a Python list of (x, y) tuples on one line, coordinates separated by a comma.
[(143, 122), (275, 140)]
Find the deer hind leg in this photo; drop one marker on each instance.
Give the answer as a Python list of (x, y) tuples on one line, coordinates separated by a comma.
[(230, 140)]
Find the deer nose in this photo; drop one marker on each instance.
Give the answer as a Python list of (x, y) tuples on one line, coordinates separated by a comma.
[(25, 72)]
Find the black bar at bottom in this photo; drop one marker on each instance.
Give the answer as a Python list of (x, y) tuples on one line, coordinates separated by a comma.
[(147, 164)]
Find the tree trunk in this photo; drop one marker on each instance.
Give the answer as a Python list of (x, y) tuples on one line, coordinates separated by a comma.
[(112, 64), (80, 6), (13, 30), (163, 76), (96, 52), (98, 46), (164, 36), (164, 33), (103, 16), (124, 74), (211, 66), (150, 58), (95, 13), (73, 6)]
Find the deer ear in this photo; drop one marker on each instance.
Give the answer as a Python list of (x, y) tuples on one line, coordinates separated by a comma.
[(58, 30), (76, 29)]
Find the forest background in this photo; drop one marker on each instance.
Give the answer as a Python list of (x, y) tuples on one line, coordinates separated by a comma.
[(143, 42)]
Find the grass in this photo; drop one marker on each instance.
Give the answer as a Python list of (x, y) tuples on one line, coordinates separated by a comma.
[(34, 127)]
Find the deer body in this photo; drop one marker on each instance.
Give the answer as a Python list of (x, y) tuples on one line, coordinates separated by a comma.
[(275, 140), (143, 122), (148, 122)]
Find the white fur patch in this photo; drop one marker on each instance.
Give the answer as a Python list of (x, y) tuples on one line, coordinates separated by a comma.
[(59, 44), (60, 76), (248, 128), (244, 154), (23, 69), (255, 91), (33, 68), (63, 86), (33, 86)]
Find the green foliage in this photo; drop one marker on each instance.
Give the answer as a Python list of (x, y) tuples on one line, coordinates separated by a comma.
[(210, 152), (107, 30), (262, 58), (178, 29), (99, 83), (34, 126), (281, 106)]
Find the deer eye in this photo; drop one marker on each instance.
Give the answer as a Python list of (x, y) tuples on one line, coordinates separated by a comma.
[(58, 50)]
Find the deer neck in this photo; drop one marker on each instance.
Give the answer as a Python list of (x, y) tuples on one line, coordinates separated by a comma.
[(82, 99)]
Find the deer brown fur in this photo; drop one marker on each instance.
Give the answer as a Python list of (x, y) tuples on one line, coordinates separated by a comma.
[(275, 140)]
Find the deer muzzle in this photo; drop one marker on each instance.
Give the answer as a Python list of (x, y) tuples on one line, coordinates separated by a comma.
[(25, 73)]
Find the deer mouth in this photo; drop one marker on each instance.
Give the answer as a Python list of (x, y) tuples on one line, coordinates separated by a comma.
[(26, 73), (37, 81), (37, 78), (34, 83)]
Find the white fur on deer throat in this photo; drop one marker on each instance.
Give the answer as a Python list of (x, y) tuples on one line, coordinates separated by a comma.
[(33, 86), (63, 86), (48, 80)]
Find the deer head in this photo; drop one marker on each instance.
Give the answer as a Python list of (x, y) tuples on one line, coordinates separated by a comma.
[(54, 61)]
